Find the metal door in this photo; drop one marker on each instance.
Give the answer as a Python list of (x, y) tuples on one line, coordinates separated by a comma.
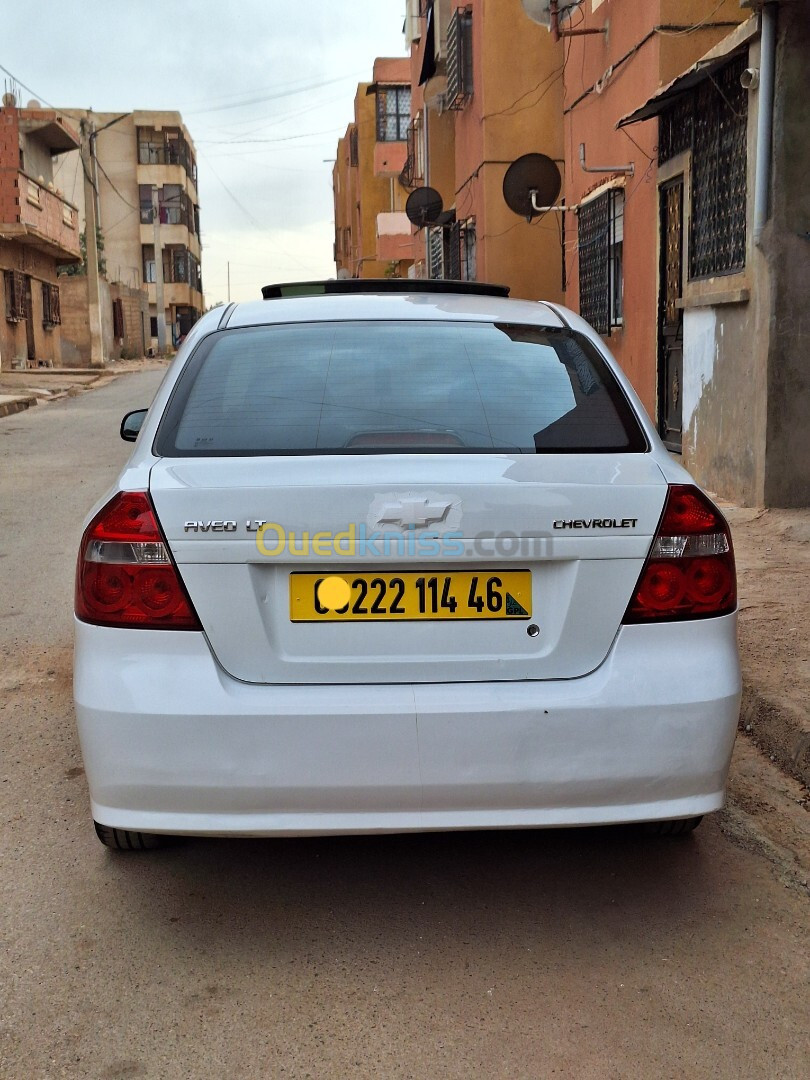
[(670, 315)]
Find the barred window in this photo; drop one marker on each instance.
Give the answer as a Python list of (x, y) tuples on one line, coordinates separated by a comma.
[(601, 271), (436, 252), (14, 282), (393, 113), (51, 315), (354, 153), (712, 122), (459, 59)]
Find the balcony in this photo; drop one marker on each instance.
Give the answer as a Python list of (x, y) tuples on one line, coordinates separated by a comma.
[(43, 220), (395, 240)]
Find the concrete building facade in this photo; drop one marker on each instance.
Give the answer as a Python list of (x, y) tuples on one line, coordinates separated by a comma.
[(39, 230), (133, 154)]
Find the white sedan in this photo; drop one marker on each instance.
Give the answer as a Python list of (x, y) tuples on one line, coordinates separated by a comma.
[(396, 556)]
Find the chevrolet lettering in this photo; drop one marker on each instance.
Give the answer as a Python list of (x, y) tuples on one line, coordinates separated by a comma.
[(596, 523), (431, 628)]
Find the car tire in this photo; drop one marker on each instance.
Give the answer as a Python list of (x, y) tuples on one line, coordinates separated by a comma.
[(125, 840), (680, 827)]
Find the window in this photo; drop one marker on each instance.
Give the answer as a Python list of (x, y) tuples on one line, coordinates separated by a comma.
[(149, 269), (118, 318), (459, 59), (145, 199), (51, 315), (712, 122), (153, 326), (15, 295), (172, 204), (354, 157), (436, 252), (601, 274), (393, 113), (328, 388)]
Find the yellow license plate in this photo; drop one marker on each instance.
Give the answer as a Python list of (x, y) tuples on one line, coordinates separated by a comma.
[(462, 594)]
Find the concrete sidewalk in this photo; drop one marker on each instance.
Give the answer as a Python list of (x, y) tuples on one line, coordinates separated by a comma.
[(772, 549), (20, 390)]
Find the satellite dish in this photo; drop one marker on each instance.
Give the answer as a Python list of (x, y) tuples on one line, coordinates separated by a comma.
[(423, 206), (9, 101), (33, 104), (539, 11), (532, 173)]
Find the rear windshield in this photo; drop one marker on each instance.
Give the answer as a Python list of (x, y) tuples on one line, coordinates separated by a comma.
[(410, 387)]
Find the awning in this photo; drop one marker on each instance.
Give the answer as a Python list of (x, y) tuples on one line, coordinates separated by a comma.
[(715, 59)]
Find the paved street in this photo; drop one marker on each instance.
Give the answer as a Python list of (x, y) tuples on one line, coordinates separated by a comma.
[(572, 954)]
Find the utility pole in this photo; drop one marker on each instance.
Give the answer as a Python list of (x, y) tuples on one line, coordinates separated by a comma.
[(90, 233), (161, 313), (229, 281)]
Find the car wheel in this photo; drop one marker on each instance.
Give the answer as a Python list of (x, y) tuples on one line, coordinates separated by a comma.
[(681, 827), (124, 840)]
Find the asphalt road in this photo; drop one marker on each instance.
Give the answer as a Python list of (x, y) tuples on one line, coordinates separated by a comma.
[(588, 953)]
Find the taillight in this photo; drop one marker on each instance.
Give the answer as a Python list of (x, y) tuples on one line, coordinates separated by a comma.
[(689, 573), (125, 576)]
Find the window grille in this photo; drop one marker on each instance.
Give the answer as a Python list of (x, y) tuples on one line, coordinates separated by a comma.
[(600, 245), (16, 309), (354, 151), (413, 172), (51, 315), (393, 113), (435, 252), (712, 122), (459, 59)]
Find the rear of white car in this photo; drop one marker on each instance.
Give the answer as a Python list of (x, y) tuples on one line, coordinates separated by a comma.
[(390, 562)]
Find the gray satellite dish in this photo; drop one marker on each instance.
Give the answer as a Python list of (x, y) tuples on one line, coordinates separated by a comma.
[(530, 182), (424, 206)]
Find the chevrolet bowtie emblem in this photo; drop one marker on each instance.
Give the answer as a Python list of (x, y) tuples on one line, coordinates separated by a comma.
[(413, 512)]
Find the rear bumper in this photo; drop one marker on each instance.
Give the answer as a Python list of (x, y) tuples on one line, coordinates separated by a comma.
[(172, 744)]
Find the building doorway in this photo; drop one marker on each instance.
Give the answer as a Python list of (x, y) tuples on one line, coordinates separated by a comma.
[(670, 315), (29, 323)]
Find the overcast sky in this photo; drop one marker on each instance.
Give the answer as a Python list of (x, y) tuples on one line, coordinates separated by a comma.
[(265, 87)]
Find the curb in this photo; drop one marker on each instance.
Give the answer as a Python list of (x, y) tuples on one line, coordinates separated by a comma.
[(782, 733), (16, 404)]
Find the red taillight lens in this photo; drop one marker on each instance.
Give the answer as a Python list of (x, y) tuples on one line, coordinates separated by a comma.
[(125, 576), (689, 573)]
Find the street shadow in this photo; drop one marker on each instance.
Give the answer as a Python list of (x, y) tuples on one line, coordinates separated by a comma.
[(288, 896)]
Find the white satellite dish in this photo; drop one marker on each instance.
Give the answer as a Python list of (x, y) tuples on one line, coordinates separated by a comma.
[(539, 11)]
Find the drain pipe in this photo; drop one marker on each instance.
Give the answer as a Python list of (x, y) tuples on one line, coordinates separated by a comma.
[(628, 169), (764, 119)]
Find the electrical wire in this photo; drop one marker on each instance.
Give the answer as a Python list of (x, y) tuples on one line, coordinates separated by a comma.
[(123, 199), (696, 26)]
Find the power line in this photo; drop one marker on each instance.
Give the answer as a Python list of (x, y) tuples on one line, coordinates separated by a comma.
[(261, 98)]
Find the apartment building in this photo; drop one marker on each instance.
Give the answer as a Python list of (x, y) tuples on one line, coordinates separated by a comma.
[(373, 237), (147, 207), (39, 230), (486, 91)]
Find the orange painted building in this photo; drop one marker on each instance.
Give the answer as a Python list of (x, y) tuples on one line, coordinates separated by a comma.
[(373, 237), (611, 174), (486, 90)]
